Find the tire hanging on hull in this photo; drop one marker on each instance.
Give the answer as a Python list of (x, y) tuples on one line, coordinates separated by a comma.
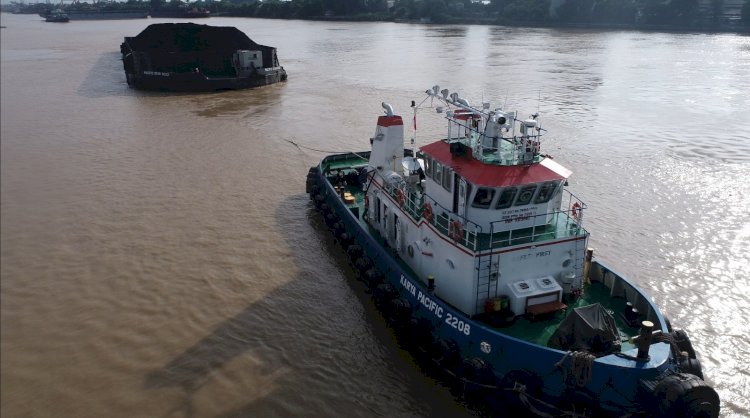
[(684, 395)]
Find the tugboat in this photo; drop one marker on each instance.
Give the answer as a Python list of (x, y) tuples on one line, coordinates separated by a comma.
[(475, 252), (57, 16)]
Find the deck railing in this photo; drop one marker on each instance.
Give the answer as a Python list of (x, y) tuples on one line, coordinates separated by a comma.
[(557, 224), (562, 224)]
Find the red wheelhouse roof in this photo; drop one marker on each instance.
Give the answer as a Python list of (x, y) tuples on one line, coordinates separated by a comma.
[(490, 175)]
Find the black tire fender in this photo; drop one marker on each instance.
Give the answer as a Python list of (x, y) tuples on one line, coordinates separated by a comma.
[(683, 342), (691, 366), (685, 395)]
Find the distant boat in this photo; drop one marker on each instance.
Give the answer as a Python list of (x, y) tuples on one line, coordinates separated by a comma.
[(57, 16), (191, 57), (194, 13), (97, 13), (102, 14)]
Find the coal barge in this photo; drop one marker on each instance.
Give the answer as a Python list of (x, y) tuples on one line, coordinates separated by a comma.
[(191, 57)]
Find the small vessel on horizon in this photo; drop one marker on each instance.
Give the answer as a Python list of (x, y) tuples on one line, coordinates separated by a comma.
[(99, 10), (180, 13), (475, 251), (57, 16)]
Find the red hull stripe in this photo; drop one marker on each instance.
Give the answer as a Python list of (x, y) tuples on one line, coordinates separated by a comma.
[(488, 175), (386, 121)]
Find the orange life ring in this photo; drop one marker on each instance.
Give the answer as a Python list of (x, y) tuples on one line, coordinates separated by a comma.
[(400, 197), (427, 212), (456, 230), (576, 211)]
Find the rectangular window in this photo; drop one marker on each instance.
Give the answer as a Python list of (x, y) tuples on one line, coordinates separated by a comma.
[(428, 166), (483, 198), (447, 178), (377, 209), (438, 168), (525, 195), (506, 198), (545, 192)]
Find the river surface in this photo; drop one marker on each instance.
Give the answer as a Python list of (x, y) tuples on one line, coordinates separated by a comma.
[(160, 257)]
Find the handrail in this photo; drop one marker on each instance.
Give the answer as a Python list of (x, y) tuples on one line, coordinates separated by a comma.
[(414, 202), (565, 223), (570, 225)]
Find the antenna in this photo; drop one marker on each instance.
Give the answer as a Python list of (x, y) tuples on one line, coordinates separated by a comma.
[(538, 101)]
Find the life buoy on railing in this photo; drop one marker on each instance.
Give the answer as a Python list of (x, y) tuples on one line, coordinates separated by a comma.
[(576, 211), (456, 230), (400, 197), (427, 212)]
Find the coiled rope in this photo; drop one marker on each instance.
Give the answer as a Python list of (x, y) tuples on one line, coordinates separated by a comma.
[(581, 366)]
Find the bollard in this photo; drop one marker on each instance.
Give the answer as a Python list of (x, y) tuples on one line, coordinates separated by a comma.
[(644, 340), (587, 265)]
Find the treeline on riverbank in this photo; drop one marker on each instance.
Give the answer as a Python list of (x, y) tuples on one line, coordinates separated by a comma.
[(702, 15), (676, 14)]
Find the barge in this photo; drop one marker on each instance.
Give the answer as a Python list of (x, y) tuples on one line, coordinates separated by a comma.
[(192, 57)]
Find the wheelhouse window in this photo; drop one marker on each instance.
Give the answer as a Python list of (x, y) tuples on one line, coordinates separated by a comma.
[(483, 198), (525, 195), (438, 171), (546, 191), (447, 178), (506, 198), (428, 166)]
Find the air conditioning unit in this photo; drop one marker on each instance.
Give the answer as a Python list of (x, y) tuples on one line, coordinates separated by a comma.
[(518, 292), (529, 292)]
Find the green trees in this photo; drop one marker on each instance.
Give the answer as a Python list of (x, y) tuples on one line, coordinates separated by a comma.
[(523, 11), (598, 11), (683, 12), (608, 13)]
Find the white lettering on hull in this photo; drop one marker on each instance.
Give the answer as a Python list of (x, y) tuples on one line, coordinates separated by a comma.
[(425, 300)]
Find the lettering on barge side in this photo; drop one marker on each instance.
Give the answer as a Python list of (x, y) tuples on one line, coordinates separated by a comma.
[(434, 308)]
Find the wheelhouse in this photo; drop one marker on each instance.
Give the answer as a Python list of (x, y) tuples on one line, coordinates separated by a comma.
[(519, 196)]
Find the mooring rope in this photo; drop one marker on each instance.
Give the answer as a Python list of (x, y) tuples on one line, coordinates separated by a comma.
[(299, 146), (581, 366), (313, 149)]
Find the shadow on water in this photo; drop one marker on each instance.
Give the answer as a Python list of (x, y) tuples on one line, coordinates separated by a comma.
[(106, 78), (248, 331), (337, 353), (237, 335)]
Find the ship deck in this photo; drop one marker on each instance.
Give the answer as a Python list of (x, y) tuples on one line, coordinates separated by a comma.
[(539, 331)]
